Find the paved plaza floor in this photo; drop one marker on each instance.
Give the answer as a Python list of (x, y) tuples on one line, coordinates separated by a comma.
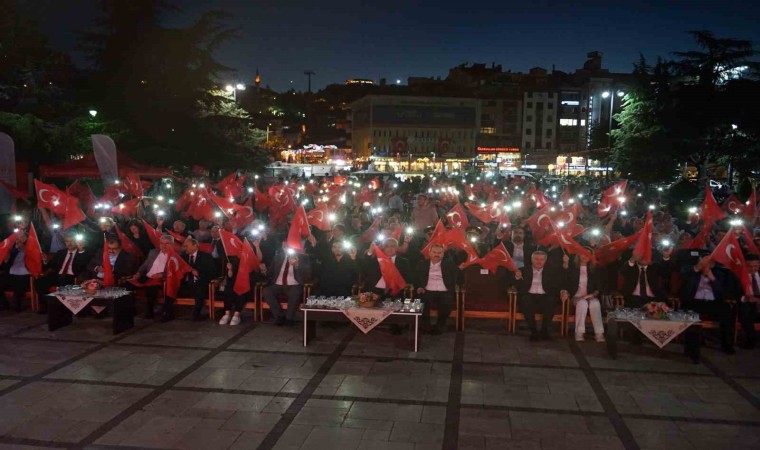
[(204, 386)]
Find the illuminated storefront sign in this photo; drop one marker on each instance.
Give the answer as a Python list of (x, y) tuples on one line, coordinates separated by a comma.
[(498, 150)]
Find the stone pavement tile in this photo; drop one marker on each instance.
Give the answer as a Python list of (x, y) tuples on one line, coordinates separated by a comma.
[(160, 431), (248, 440), (289, 339), (22, 447), (294, 437), (322, 438), (278, 405), (376, 435), (380, 445), (433, 414), (642, 359), (512, 444), (324, 403), (16, 322), (417, 432), (83, 329), (263, 383), (745, 362), (467, 442), (183, 333), (296, 385), (385, 411), (547, 422), (484, 427), (131, 364), (208, 413), (28, 358), (321, 416), (174, 403), (205, 439), (368, 424), (658, 434), (7, 383), (252, 403), (216, 378), (708, 436)]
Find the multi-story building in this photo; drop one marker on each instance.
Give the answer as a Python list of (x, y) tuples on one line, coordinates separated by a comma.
[(402, 132)]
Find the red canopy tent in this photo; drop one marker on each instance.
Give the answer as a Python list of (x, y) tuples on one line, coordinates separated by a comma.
[(87, 167)]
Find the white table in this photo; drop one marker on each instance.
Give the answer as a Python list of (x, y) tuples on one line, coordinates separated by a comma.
[(311, 315)]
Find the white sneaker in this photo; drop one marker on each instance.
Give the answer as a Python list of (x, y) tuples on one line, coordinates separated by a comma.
[(235, 321), (579, 337), (599, 338), (224, 320)]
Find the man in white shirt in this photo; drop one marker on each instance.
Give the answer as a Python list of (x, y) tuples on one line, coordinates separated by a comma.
[(151, 273), (704, 290), (539, 291), (436, 281), (287, 274), (62, 270)]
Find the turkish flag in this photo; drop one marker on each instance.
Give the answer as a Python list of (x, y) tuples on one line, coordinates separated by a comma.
[(339, 180), (568, 216), (436, 238), (610, 198), (457, 218), (538, 196), (374, 184), (153, 234), (299, 228), (201, 206), (729, 253), (570, 245), (6, 245), (643, 249), (700, 240), (456, 238), (128, 208), (231, 185), (263, 201), (606, 254), (320, 217), (732, 205), (711, 212), (565, 197), (132, 184), (248, 263), (176, 268), (178, 238), (72, 214), (497, 257), (365, 195), (748, 242), (231, 243), (60, 203), (485, 213), (15, 193), (33, 253), (127, 245), (540, 223), (108, 280), (84, 193), (394, 282)]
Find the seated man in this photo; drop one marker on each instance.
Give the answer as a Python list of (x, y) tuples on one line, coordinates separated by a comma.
[(373, 276), (287, 274), (14, 274), (339, 271), (195, 283), (436, 279), (748, 305), (703, 290), (151, 273), (64, 268), (539, 290), (123, 264)]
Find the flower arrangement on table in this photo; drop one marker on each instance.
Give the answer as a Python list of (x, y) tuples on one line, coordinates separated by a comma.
[(367, 299), (657, 310), (92, 286)]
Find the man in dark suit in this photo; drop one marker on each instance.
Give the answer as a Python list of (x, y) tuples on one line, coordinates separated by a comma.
[(540, 288), (63, 269), (287, 274), (151, 273), (217, 249), (703, 290), (338, 272), (436, 280), (123, 264), (748, 305), (370, 267), (195, 283), (642, 282)]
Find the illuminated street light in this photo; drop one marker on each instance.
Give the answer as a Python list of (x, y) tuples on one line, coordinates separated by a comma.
[(605, 94), (93, 113)]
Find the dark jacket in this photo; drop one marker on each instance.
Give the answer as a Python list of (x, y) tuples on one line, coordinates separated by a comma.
[(574, 276), (204, 264), (302, 273), (690, 285), (528, 250), (371, 274), (337, 277), (655, 273), (449, 271), (78, 265), (552, 280), (125, 266)]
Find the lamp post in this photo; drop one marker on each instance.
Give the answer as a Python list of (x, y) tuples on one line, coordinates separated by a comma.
[(232, 89), (93, 113), (606, 94)]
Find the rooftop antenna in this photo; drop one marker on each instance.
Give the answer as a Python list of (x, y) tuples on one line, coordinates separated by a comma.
[(308, 74)]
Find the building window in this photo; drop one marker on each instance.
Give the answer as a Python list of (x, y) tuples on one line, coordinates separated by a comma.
[(529, 105), (568, 122), (529, 118), (550, 94), (549, 133), (548, 145), (550, 119), (527, 144), (528, 131), (530, 95), (487, 130), (550, 105)]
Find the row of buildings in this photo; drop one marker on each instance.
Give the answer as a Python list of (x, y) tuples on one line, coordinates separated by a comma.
[(482, 115)]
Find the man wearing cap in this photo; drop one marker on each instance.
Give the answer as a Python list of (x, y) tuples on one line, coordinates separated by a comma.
[(424, 214)]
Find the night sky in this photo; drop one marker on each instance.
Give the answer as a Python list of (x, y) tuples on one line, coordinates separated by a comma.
[(395, 39)]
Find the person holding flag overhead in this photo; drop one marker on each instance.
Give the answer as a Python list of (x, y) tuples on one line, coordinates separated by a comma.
[(287, 274), (383, 271)]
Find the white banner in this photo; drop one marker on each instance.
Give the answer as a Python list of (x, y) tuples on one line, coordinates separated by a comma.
[(7, 171), (105, 155)]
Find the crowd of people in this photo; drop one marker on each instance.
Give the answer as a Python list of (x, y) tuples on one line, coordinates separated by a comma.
[(562, 242)]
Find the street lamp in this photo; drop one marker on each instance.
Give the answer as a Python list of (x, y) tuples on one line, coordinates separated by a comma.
[(607, 94), (233, 90), (93, 113)]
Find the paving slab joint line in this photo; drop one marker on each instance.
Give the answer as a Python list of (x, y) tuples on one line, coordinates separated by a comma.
[(621, 429), (451, 428), (274, 435), (158, 390), (741, 390), (34, 442)]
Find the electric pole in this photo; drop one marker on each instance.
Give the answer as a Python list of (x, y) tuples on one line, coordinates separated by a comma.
[(308, 74)]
